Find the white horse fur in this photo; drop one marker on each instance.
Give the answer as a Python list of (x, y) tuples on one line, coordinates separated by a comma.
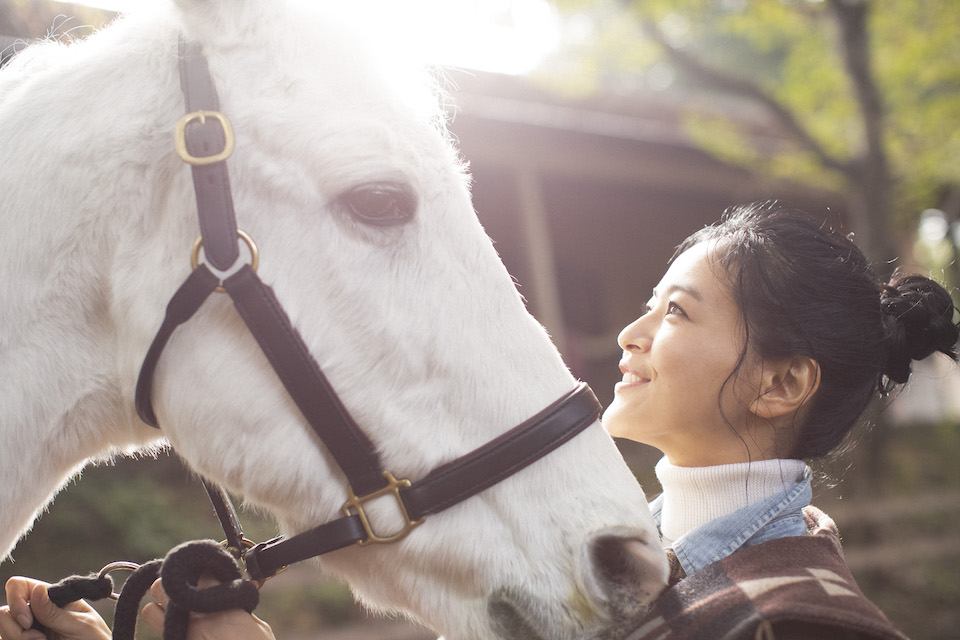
[(418, 327)]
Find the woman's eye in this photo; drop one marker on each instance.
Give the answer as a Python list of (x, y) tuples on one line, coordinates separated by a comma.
[(381, 204), (674, 309)]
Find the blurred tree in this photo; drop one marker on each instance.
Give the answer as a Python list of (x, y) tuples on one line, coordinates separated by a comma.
[(866, 94)]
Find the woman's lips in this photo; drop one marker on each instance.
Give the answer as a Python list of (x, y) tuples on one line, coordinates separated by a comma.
[(630, 377)]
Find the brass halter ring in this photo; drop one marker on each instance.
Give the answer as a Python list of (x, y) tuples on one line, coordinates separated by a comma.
[(251, 245), (245, 543)]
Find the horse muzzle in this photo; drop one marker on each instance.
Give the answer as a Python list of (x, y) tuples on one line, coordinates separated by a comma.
[(622, 573)]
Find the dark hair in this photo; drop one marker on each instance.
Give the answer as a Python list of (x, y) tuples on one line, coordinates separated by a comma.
[(805, 289)]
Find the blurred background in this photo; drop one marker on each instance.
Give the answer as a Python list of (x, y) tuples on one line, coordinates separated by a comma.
[(600, 133)]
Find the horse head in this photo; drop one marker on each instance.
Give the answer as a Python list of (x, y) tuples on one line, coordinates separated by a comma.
[(345, 178)]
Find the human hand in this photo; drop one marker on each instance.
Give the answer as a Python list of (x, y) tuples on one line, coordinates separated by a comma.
[(27, 599), (235, 624)]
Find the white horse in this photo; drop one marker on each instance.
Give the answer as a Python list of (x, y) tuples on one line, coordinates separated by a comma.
[(417, 325)]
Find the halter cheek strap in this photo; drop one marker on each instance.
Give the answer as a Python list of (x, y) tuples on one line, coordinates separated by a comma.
[(205, 135), (204, 140)]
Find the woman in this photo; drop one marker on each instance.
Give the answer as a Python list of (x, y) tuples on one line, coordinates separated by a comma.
[(761, 347)]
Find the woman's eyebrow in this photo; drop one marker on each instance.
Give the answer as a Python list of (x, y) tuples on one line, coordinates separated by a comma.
[(690, 291)]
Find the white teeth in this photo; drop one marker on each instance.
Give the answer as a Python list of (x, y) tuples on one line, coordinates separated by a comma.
[(630, 378)]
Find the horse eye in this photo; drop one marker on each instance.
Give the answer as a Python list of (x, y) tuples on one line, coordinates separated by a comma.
[(381, 204)]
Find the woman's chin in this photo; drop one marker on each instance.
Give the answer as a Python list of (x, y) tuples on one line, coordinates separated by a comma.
[(615, 422)]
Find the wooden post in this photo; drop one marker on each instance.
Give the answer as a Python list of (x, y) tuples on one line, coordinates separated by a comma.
[(543, 285)]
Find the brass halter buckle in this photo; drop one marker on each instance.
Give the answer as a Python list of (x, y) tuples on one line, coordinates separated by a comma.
[(229, 141), (354, 505)]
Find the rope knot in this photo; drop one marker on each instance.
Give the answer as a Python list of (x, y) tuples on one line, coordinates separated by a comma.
[(185, 564)]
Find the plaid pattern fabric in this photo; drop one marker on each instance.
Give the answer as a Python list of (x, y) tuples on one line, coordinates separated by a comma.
[(776, 585)]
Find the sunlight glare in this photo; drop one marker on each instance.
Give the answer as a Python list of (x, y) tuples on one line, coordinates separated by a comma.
[(507, 36), (502, 36)]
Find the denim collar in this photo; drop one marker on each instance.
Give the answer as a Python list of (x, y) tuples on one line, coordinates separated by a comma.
[(778, 516)]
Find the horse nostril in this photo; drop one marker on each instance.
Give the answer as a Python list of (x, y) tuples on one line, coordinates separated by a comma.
[(630, 572), (611, 560)]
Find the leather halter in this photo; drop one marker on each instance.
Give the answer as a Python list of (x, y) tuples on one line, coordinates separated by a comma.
[(204, 139)]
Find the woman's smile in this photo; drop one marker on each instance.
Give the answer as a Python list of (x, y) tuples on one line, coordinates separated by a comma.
[(630, 379)]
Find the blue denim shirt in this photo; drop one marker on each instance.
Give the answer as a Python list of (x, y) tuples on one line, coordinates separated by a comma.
[(778, 516)]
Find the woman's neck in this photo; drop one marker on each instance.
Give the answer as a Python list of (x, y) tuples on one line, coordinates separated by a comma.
[(693, 496)]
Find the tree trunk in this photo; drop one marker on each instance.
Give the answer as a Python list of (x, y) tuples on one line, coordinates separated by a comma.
[(870, 189), (870, 213)]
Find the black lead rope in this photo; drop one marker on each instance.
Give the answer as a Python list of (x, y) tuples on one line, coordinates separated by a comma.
[(128, 604), (180, 572)]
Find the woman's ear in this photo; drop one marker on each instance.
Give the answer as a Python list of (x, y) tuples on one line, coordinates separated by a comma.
[(785, 386)]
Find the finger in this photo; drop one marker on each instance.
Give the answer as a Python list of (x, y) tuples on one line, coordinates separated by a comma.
[(39, 596), (10, 629), (79, 622), (156, 590), (235, 624), (207, 580), (19, 590), (153, 614), (43, 609)]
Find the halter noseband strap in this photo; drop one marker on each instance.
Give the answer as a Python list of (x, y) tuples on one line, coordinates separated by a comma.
[(447, 485), (204, 140)]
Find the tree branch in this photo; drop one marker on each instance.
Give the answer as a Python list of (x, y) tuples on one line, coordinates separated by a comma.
[(745, 87)]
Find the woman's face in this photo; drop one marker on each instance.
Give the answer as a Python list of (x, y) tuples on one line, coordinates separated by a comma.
[(677, 358)]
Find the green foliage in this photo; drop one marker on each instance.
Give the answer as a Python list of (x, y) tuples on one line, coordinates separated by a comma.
[(135, 510), (791, 50), (917, 61), (727, 141), (602, 52)]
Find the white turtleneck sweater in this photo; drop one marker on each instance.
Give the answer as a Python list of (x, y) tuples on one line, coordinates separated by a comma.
[(693, 496)]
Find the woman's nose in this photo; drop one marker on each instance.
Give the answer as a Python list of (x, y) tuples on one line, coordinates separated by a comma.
[(635, 336)]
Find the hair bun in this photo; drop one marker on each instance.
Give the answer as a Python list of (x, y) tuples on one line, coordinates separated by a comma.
[(918, 317)]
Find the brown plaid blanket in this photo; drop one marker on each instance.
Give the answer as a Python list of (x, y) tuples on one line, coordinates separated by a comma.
[(790, 588)]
